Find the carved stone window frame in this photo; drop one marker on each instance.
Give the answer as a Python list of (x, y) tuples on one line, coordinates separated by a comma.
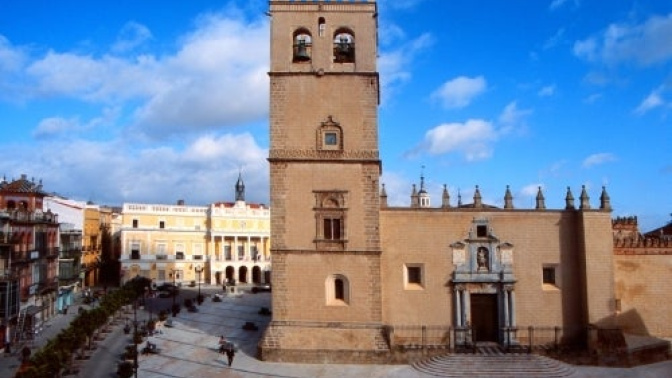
[(330, 205), (330, 136)]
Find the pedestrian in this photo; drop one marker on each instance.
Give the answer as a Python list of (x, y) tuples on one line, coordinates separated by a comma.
[(222, 344), (230, 353)]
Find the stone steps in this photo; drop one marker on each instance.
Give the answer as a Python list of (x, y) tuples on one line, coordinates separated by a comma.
[(493, 365)]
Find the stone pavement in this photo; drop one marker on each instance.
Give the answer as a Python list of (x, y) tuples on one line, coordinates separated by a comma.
[(189, 349)]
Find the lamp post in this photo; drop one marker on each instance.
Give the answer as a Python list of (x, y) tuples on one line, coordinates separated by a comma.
[(199, 270), (147, 292), (175, 275), (135, 332)]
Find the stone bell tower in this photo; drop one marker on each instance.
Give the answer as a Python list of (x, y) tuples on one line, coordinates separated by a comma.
[(325, 169)]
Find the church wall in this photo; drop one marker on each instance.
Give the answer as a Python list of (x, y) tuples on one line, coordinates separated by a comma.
[(642, 286), (294, 133), (300, 227), (538, 237)]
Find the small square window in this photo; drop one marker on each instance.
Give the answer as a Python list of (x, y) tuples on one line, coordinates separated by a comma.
[(414, 277), (481, 231), (549, 275), (330, 139), (179, 255)]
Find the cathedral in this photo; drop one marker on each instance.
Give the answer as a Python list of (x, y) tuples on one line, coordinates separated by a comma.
[(358, 281)]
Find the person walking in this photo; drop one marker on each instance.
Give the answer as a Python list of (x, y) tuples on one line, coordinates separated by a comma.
[(222, 344), (230, 353)]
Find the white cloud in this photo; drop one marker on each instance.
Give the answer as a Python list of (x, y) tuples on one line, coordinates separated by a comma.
[(161, 174), (645, 44), (531, 190), (131, 35), (653, 100), (55, 125), (460, 91), (208, 83), (547, 91), (512, 118), (11, 57), (473, 139), (598, 159), (394, 65)]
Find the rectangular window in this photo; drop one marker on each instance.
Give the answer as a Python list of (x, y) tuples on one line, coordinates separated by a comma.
[(179, 255), (162, 224), (481, 231), (332, 229), (414, 276), (135, 223), (549, 275), (135, 251), (162, 275), (227, 253)]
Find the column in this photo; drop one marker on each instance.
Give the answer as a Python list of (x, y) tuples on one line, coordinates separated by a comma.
[(248, 254), (458, 307)]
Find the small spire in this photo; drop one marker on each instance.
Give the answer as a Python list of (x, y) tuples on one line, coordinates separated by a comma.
[(508, 199), (605, 201), (477, 198), (414, 197), (541, 201), (585, 200), (240, 187), (383, 197), (445, 197), (569, 200), (459, 198)]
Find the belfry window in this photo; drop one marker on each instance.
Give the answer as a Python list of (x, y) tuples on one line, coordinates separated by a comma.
[(302, 46), (344, 46)]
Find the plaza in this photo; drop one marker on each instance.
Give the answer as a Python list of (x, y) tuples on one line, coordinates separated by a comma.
[(189, 348)]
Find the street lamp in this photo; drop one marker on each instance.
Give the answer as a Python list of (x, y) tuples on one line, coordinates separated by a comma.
[(199, 270), (175, 275), (147, 292), (135, 340)]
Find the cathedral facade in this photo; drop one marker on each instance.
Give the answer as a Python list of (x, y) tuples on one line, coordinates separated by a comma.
[(358, 281)]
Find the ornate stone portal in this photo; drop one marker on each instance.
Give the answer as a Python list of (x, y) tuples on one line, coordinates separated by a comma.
[(483, 284)]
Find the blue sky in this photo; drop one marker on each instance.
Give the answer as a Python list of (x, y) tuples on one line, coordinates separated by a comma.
[(155, 101)]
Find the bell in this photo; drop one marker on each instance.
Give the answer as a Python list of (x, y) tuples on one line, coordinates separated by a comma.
[(301, 54)]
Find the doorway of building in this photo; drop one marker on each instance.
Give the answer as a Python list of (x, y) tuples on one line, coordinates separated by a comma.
[(484, 317)]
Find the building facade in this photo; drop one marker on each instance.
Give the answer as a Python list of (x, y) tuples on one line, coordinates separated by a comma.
[(225, 242), (352, 275), (30, 249)]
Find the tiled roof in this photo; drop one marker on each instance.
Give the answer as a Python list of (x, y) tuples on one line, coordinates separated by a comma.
[(22, 185)]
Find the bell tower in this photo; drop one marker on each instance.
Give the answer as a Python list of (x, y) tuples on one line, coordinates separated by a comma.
[(324, 175)]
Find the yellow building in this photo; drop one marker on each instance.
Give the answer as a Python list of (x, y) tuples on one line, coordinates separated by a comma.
[(91, 245), (215, 244)]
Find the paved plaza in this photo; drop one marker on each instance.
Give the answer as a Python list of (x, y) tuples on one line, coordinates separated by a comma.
[(189, 348)]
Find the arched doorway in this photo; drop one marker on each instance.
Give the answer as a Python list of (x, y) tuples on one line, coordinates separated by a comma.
[(242, 274), (256, 275), (230, 273)]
